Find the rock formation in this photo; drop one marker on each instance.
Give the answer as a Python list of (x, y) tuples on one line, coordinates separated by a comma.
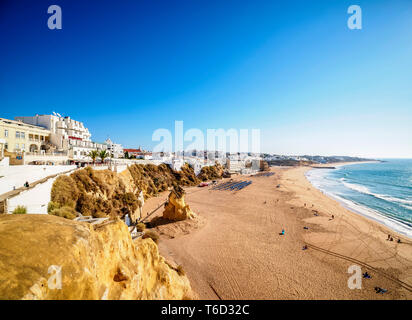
[(264, 166), (99, 194), (92, 262), (176, 209), (211, 172)]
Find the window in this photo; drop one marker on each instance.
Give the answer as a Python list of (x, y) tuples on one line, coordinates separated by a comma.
[(6, 133), (17, 146), (18, 134), (23, 146), (6, 146), (22, 135)]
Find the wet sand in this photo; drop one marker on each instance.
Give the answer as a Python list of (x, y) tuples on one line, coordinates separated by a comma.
[(236, 252)]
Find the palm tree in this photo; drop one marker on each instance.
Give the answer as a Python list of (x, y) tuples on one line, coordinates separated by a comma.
[(103, 155), (93, 154)]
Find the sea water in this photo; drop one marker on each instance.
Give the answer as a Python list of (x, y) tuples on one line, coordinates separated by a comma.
[(381, 191)]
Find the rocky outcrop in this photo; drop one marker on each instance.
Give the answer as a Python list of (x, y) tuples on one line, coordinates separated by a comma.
[(211, 172), (92, 262), (264, 166), (104, 193), (176, 209), (99, 194)]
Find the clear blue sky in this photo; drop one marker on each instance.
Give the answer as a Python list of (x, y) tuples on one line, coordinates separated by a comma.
[(290, 68)]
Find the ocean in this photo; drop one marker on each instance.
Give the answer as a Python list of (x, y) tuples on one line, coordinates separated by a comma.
[(379, 191)]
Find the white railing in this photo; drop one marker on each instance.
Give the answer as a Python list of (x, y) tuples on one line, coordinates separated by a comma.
[(47, 154)]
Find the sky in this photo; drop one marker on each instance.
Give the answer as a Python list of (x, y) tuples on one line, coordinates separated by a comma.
[(292, 69)]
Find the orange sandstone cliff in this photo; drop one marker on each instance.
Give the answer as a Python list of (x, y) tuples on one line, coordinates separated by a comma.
[(48, 257)]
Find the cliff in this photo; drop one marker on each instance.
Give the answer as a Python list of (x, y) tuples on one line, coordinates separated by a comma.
[(101, 262), (104, 193)]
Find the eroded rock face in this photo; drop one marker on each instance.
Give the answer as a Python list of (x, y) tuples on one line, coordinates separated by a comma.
[(176, 209), (95, 262), (97, 193)]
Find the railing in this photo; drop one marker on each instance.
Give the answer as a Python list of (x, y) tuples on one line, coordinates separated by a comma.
[(47, 154)]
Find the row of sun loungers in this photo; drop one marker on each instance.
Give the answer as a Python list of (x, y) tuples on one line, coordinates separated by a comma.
[(232, 185)]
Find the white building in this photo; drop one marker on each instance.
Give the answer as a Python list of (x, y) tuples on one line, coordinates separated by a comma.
[(162, 156), (115, 149), (196, 164), (66, 134)]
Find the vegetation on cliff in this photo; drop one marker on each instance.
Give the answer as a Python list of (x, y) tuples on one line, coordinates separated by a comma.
[(20, 210), (104, 193), (153, 179), (211, 172), (92, 193)]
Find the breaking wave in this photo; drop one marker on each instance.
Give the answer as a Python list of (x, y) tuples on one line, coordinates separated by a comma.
[(365, 190)]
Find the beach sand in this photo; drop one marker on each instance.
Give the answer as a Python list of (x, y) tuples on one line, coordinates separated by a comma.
[(235, 251)]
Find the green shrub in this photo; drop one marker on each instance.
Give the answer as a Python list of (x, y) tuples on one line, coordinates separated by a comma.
[(140, 227), (152, 235), (180, 271), (129, 199), (51, 206), (86, 204), (64, 191), (64, 212), (20, 210)]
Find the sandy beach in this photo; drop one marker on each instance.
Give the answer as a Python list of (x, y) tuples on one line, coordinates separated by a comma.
[(234, 250)]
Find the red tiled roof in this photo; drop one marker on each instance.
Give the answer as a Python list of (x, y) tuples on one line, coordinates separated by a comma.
[(132, 150)]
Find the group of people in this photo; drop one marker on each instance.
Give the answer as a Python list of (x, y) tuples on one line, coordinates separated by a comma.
[(380, 290), (390, 238), (26, 185)]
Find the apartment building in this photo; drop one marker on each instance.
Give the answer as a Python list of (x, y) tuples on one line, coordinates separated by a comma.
[(115, 149), (20, 137), (66, 134)]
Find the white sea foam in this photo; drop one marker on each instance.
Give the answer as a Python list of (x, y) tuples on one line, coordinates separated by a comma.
[(376, 216), (365, 190), (357, 188), (406, 206), (318, 179)]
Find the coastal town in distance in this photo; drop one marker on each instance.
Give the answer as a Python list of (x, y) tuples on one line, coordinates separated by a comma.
[(206, 155)]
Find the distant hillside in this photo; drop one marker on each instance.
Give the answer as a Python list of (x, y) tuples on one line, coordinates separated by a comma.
[(289, 162), (278, 160), (332, 159)]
